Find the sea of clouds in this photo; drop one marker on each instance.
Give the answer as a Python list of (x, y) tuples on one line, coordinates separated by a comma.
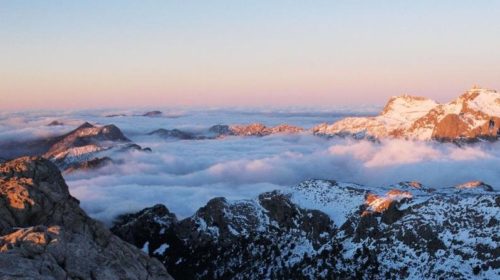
[(185, 174)]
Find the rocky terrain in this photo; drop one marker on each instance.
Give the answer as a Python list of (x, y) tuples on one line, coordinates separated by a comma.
[(326, 229), (473, 116), (44, 234), (86, 147), (176, 134), (221, 130)]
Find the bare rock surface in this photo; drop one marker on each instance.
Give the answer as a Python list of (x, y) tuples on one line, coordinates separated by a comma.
[(46, 235)]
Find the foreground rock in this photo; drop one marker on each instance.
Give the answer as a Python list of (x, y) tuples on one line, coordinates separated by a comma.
[(324, 230), (46, 235), (473, 116)]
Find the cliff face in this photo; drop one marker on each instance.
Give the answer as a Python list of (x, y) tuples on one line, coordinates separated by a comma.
[(472, 116), (46, 235), (329, 230)]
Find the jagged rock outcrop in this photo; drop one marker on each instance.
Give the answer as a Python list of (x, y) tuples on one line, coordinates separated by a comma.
[(46, 235), (220, 130), (473, 116), (326, 229), (232, 240), (88, 146), (258, 129)]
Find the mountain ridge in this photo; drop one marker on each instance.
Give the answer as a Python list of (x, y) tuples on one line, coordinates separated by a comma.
[(474, 115), (326, 229)]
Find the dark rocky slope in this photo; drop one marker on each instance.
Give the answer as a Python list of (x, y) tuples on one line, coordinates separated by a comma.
[(329, 230)]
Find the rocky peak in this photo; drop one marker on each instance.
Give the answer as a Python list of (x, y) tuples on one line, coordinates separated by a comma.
[(254, 129), (394, 232), (86, 134), (477, 92), (237, 239), (482, 100), (45, 234), (83, 126), (258, 129), (474, 186), (407, 104), (88, 146), (473, 116)]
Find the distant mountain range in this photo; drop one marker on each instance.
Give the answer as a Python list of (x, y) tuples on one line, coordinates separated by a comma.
[(475, 115), (315, 230)]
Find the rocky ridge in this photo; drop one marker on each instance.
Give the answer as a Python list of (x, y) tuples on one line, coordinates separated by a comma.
[(86, 147), (473, 116), (221, 130), (326, 229), (44, 234)]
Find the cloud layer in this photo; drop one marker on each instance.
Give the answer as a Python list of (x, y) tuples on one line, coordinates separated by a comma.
[(184, 175)]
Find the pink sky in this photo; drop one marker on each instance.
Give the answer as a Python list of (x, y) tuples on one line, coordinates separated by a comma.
[(88, 55)]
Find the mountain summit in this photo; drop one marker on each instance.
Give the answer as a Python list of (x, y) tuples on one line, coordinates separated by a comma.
[(472, 116)]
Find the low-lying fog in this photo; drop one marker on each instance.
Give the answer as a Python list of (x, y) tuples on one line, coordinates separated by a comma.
[(185, 174)]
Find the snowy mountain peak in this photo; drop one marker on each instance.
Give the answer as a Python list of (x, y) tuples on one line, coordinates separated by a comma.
[(328, 230), (472, 116), (407, 107), (88, 146), (482, 100)]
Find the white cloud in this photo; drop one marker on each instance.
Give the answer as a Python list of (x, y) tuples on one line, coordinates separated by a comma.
[(184, 175)]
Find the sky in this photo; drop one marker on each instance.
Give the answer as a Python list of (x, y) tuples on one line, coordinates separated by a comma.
[(98, 54)]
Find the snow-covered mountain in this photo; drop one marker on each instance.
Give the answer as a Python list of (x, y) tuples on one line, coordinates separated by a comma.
[(329, 230), (472, 116), (88, 146)]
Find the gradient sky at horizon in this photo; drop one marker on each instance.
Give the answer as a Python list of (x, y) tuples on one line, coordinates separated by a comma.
[(94, 54)]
